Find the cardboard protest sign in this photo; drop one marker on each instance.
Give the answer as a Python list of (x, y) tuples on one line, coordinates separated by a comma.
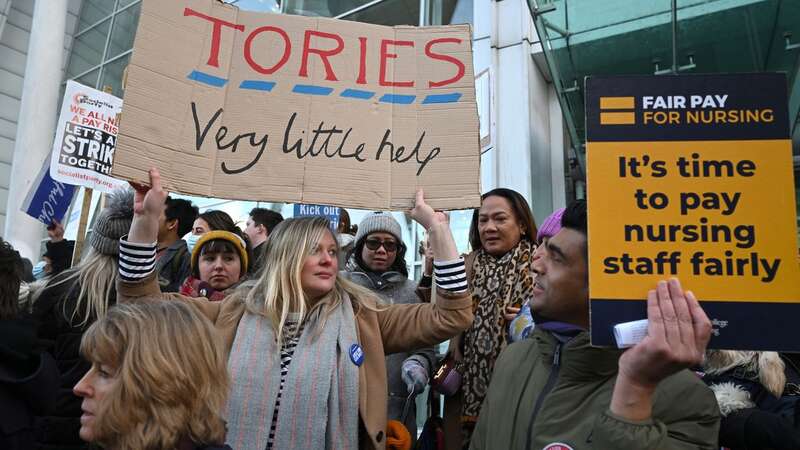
[(252, 106), (86, 134), (691, 177), (48, 199), (329, 212)]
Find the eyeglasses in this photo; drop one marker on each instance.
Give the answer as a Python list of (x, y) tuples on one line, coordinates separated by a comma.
[(374, 244)]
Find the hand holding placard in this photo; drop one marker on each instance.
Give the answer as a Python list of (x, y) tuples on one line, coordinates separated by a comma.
[(148, 202), (441, 241), (424, 214), (677, 335)]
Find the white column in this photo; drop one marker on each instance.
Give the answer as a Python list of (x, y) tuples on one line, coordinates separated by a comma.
[(37, 119), (513, 141), (557, 150), (483, 57)]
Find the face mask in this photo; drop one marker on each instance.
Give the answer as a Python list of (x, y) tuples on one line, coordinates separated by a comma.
[(38, 270), (191, 240)]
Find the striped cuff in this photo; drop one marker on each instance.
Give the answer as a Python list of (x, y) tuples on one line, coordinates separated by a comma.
[(136, 260), (451, 275)]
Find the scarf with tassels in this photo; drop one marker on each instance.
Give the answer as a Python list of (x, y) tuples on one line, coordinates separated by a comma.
[(319, 402)]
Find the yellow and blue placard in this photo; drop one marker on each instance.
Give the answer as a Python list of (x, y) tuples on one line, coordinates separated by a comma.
[(691, 176)]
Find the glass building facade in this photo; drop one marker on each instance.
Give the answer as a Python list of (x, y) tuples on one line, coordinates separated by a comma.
[(587, 37), (103, 42)]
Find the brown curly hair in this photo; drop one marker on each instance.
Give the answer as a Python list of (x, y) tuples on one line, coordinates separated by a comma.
[(171, 375)]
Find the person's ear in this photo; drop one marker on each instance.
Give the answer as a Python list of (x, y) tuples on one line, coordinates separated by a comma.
[(262, 229), (172, 224)]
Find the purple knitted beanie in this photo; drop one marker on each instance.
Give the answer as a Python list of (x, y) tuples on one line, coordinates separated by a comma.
[(551, 225)]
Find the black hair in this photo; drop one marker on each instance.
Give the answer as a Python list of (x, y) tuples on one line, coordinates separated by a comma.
[(218, 246), (345, 227), (218, 220), (10, 278), (27, 271), (399, 264), (521, 210), (182, 210), (574, 218), (266, 217)]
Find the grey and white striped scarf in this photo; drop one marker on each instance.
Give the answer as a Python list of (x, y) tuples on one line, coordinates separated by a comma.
[(319, 401)]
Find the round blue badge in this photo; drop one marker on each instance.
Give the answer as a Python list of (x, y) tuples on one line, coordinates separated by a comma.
[(356, 354)]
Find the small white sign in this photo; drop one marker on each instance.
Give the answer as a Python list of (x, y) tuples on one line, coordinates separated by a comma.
[(629, 334), (483, 97), (86, 138)]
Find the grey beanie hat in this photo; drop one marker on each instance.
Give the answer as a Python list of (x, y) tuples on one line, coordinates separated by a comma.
[(379, 221), (113, 222)]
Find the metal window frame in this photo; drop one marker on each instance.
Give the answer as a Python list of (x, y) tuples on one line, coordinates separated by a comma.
[(101, 65), (104, 60), (542, 25), (114, 12), (423, 4)]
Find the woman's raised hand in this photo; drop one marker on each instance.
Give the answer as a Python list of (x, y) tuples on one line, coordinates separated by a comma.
[(424, 214), (149, 200)]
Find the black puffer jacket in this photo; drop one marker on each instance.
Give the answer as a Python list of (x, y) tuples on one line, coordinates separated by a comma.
[(28, 380), (61, 336)]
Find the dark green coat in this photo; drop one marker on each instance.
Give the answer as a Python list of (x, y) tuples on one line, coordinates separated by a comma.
[(570, 385)]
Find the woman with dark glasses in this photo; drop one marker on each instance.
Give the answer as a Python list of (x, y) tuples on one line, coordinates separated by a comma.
[(377, 262)]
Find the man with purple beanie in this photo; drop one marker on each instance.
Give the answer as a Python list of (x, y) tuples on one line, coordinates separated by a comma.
[(522, 325)]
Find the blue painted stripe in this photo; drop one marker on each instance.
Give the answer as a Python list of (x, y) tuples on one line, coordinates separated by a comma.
[(313, 90), (355, 93), (395, 98), (210, 80), (442, 98), (257, 85)]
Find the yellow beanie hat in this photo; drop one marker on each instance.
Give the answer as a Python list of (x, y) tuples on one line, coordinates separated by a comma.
[(238, 244)]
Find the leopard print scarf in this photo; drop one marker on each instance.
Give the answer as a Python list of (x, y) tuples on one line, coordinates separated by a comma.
[(496, 283)]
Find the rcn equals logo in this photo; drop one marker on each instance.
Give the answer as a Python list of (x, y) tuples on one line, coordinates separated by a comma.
[(617, 111)]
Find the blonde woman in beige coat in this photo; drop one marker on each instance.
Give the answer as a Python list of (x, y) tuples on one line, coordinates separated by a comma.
[(333, 333)]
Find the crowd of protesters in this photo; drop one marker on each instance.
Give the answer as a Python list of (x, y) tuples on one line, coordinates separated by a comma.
[(179, 330)]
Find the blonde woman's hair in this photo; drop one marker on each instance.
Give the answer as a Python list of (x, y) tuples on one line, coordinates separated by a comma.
[(768, 366), (278, 291), (171, 374), (94, 279)]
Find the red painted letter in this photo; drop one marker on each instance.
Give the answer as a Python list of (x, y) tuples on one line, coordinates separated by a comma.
[(362, 64), (323, 54), (248, 55), (213, 58), (447, 58), (385, 43)]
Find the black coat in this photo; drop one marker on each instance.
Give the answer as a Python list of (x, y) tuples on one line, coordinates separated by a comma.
[(28, 383), (61, 336), (774, 422)]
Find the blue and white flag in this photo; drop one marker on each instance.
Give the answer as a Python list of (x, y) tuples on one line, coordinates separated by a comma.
[(48, 200)]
